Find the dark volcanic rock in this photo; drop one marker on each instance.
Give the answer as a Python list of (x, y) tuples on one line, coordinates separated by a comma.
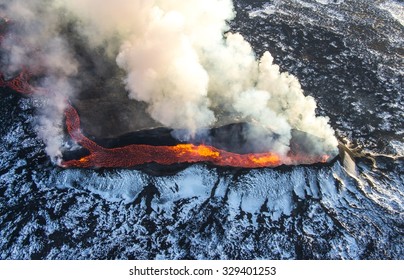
[(347, 54)]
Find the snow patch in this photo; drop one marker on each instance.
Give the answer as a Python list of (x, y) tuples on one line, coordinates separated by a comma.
[(266, 10), (113, 186), (396, 10)]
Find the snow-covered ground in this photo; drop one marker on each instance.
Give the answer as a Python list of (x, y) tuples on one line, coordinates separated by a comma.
[(347, 54)]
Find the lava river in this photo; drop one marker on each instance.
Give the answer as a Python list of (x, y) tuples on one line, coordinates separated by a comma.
[(133, 155)]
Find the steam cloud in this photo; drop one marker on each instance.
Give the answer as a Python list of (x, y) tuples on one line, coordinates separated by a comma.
[(36, 43), (179, 59)]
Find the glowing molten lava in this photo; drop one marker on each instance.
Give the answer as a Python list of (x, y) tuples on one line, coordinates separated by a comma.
[(19, 83), (133, 155)]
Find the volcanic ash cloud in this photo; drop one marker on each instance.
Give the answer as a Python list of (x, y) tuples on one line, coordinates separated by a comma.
[(181, 60)]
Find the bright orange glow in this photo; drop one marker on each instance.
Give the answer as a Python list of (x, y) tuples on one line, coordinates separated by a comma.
[(133, 155), (200, 150), (264, 159)]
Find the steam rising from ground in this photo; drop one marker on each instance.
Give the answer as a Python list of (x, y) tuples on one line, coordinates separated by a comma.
[(35, 43), (179, 59)]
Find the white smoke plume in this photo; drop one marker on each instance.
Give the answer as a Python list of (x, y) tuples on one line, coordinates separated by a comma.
[(35, 42), (181, 60)]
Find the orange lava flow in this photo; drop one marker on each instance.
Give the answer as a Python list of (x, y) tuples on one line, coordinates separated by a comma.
[(19, 83), (133, 155)]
